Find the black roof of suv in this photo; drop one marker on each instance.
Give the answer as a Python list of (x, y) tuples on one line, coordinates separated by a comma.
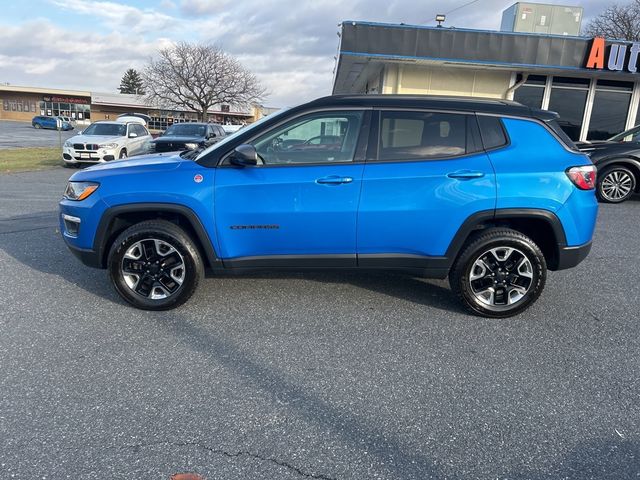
[(463, 104)]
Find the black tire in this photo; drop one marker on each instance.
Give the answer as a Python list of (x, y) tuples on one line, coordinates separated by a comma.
[(123, 153), (139, 238), (610, 177), (499, 275), (37, 126)]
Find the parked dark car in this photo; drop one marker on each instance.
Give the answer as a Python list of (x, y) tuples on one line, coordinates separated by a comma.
[(42, 121), (187, 136), (618, 162)]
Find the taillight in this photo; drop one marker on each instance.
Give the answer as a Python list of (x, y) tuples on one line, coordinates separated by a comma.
[(583, 177)]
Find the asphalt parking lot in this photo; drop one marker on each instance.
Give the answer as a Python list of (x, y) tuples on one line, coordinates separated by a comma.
[(22, 134), (315, 375)]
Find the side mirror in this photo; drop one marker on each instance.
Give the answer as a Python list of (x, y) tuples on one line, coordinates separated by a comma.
[(133, 135), (244, 155)]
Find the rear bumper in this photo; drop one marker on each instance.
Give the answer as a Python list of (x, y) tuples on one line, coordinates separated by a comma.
[(569, 257)]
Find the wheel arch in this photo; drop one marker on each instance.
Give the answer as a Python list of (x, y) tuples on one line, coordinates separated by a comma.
[(630, 162), (116, 219), (542, 226)]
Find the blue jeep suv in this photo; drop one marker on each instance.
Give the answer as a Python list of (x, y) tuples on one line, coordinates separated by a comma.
[(487, 192)]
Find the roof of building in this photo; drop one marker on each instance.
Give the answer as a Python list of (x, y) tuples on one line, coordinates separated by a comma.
[(44, 91), (366, 46)]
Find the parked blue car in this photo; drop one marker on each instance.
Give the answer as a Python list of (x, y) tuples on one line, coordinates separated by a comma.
[(42, 121), (490, 193)]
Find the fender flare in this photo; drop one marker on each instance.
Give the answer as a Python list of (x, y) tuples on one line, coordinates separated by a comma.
[(104, 227), (478, 220)]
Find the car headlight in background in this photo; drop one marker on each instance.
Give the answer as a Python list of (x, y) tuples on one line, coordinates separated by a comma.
[(191, 146), (108, 145), (68, 144), (80, 190)]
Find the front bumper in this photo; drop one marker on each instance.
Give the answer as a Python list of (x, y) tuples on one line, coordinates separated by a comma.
[(569, 257), (70, 155), (87, 256)]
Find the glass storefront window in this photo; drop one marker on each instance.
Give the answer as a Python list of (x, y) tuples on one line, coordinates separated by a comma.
[(569, 104), (568, 98), (529, 95), (609, 114)]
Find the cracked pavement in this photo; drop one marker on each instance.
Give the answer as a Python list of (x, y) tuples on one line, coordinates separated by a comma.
[(318, 375)]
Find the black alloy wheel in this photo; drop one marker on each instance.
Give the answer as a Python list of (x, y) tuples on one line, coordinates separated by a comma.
[(154, 265), (499, 273)]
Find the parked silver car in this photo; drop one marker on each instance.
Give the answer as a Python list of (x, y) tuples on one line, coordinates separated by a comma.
[(105, 141)]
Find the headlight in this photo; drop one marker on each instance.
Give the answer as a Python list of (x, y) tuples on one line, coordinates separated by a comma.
[(191, 146), (80, 190), (108, 145), (68, 144)]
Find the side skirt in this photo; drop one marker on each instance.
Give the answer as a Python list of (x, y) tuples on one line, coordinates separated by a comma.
[(429, 267)]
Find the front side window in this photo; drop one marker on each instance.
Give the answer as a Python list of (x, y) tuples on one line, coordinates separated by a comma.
[(323, 137), (421, 135)]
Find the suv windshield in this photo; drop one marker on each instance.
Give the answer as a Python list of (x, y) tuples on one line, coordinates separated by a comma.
[(107, 129), (185, 129)]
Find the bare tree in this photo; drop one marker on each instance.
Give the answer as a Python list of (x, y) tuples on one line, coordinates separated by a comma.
[(619, 22), (197, 77)]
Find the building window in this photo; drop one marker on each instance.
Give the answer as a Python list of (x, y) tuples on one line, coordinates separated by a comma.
[(532, 92), (610, 109), (568, 98), (5, 105)]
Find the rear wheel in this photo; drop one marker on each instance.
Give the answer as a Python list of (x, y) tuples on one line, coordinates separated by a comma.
[(499, 273), (154, 265), (616, 184)]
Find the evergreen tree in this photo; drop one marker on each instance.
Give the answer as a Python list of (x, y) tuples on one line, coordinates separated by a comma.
[(131, 82)]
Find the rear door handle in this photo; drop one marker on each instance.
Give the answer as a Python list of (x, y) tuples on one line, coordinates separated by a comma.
[(465, 174), (334, 180)]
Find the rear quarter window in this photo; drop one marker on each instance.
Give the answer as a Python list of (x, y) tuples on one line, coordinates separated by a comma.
[(492, 132), (564, 138)]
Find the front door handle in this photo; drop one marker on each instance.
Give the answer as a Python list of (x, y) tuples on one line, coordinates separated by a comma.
[(334, 180), (465, 174)]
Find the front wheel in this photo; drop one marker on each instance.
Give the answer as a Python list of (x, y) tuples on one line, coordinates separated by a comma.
[(499, 274), (37, 126), (616, 184), (154, 265), (123, 154)]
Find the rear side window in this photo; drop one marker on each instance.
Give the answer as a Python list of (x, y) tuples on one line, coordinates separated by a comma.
[(555, 126), (492, 132), (421, 135)]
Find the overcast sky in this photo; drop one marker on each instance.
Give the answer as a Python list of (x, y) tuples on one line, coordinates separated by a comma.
[(288, 44)]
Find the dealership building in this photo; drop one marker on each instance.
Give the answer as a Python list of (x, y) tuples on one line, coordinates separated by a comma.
[(24, 103), (592, 83)]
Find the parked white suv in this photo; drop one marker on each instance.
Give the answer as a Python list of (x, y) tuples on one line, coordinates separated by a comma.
[(105, 141)]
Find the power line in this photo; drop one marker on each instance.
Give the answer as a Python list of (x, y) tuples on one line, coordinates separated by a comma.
[(462, 6), (455, 9)]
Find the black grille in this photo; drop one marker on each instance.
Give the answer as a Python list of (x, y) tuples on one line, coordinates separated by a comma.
[(91, 146), (78, 146), (169, 147)]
